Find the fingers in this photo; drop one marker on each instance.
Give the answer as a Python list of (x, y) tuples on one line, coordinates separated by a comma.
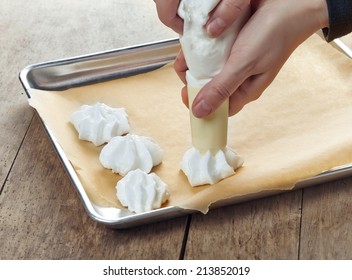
[(180, 67), (167, 12), (220, 87), (241, 92), (224, 15), (184, 94), (251, 89), (255, 4)]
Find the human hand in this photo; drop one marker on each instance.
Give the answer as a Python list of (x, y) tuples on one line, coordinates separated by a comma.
[(167, 12), (275, 30), (225, 13)]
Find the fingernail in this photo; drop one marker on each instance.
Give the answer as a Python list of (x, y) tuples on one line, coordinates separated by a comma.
[(202, 109), (216, 27)]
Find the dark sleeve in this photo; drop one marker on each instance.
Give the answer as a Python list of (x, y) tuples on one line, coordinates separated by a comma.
[(340, 19)]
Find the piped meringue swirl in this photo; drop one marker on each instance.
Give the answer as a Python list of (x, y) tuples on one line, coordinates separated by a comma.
[(141, 192), (99, 123), (202, 169), (126, 153)]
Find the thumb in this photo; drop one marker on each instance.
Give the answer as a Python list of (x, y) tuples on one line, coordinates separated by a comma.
[(250, 90), (221, 87)]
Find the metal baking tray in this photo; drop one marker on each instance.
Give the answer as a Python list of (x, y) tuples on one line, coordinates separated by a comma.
[(104, 66)]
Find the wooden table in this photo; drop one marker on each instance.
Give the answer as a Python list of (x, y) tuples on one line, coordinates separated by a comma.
[(41, 216)]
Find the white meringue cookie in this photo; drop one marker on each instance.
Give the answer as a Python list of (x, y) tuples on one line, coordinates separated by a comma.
[(99, 123), (141, 192), (202, 169), (125, 153)]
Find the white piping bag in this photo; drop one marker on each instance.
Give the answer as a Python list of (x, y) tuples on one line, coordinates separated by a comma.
[(209, 160)]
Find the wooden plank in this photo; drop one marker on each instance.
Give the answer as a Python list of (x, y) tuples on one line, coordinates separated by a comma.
[(262, 229), (327, 221), (41, 216), (15, 115)]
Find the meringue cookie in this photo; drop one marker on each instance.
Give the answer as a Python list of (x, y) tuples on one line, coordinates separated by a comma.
[(99, 123), (125, 153), (202, 169), (141, 192)]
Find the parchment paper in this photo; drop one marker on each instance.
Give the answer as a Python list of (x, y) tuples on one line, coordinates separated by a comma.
[(300, 127)]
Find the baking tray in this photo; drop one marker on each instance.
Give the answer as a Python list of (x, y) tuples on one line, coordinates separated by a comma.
[(104, 66)]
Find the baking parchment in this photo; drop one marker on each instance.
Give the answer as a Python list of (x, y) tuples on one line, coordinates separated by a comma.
[(300, 127)]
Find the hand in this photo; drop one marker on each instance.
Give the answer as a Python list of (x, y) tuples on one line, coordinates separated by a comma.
[(167, 12), (275, 30), (225, 13)]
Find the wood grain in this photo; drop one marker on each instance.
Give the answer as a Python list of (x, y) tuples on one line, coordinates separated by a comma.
[(262, 229), (327, 221), (42, 218)]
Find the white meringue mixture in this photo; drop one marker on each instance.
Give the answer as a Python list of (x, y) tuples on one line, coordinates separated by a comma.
[(205, 56), (99, 123), (129, 155), (142, 192), (202, 169), (126, 153)]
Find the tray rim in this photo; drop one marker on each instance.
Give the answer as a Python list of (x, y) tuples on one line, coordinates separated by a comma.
[(169, 212)]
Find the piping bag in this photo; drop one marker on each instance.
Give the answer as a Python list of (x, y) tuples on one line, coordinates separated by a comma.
[(209, 160)]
